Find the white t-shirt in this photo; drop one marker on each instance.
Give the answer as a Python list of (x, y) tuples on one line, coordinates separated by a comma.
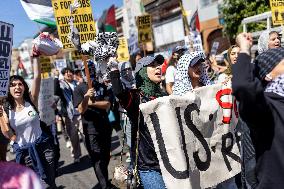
[(170, 74), (26, 124)]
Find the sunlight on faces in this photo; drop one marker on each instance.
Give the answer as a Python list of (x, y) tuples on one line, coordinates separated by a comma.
[(17, 89), (234, 54), (274, 41), (154, 72), (68, 76)]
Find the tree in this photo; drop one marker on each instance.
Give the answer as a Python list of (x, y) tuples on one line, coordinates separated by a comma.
[(234, 11)]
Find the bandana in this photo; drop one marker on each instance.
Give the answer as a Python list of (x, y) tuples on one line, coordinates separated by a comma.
[(263, 42), (276, 86), (127, 77), (183, 83)]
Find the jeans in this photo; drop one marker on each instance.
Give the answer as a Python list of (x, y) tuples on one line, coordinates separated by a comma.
[(151, 179), (228, 184)]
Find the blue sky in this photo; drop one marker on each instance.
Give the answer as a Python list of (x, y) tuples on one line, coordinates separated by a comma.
[(11, 11)]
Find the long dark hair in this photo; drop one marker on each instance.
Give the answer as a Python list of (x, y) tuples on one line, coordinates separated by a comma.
[(26, 95)]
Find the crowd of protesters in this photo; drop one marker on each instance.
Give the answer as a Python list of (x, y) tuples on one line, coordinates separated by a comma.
[(91, 112)]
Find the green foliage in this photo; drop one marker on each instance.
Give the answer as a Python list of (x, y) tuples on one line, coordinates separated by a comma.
[(234, 11)]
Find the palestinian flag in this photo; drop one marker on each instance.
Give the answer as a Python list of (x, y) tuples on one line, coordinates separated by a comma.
[(107, 22), (40, 11)]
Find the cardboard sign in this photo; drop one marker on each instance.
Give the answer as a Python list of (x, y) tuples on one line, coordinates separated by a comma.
[(75, 55), (83, 21), (45, 64), (193, 41), (214, 48), (6, 43), (46, 100), (144, 24), (277, 10), (122, 51), (196, 143)]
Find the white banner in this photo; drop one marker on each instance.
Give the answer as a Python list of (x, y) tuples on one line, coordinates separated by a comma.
[(194, 137), (6, 43), (46, 101)]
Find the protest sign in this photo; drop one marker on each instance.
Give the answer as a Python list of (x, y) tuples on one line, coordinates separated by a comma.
[(59, 64), (133, 45), (45, 66), (6, 42), (75, 55), (83, 21), (196, 142), (193, 41), (214, 48), (45, 101), (122, 51), (144, 24), (277, 10)]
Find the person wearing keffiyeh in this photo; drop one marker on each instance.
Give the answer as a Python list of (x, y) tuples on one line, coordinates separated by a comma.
[(261, 106), (71, 116), (191, 73)]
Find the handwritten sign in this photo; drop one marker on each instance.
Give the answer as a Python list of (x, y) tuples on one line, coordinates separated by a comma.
[(6, 42), (144, 24), (83, 21), (122, 51), (46, 101), (60, 64)]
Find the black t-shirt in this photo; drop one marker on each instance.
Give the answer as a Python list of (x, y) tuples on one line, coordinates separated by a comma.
[(98, 116)]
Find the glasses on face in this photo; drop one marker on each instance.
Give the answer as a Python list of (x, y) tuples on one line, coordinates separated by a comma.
[(20, 84)]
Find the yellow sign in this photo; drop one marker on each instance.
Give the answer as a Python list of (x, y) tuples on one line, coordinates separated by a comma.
[(122, 51), (277, 10), (144, 24), (45, 64), (75, 55), (82, 18)]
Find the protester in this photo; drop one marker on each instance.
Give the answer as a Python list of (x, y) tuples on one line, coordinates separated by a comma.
[(231, 59), (268, 40), (148, 77), (190, 73), (78, 76), (13, 175), (134, 58), (261, 100), (171, 70), (32, 146), (71, 117), (93, 105)]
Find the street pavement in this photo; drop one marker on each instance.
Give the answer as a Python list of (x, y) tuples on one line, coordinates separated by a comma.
[(81, 175)]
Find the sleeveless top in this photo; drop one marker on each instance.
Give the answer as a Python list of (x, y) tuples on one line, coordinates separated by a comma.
[(26, 124)]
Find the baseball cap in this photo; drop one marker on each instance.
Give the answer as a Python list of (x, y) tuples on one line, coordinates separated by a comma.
[(145, 61), (179, 48), (196, 60)]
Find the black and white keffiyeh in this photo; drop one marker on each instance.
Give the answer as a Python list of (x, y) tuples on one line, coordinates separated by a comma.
[(104, 46), (276, 86), (182, 80)]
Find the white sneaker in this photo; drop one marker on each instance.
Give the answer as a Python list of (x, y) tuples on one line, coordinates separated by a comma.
[(68, 144)]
